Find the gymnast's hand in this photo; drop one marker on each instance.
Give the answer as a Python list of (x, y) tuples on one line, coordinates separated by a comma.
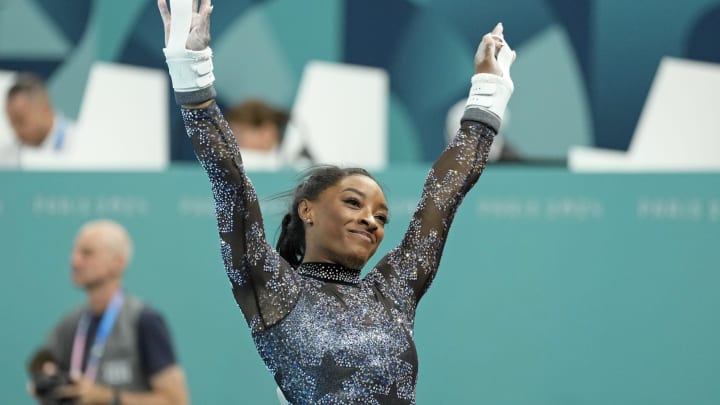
[(199, 35), (491, 85), (494, 55)]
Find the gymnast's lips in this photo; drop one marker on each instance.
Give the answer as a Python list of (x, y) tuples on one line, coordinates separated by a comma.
[(365, 235)]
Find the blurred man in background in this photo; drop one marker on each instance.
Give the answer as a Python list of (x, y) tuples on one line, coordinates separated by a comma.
[(40, 131), (114, 349)]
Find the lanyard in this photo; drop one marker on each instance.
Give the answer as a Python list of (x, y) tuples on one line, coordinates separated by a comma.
[(98, 347), (59, 132)]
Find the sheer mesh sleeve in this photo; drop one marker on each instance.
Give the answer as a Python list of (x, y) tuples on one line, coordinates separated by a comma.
[(264, 285), (409, 268)]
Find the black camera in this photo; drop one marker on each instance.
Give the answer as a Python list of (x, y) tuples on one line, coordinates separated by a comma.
[(45, 383)]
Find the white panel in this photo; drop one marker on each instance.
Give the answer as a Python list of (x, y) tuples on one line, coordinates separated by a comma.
[(340, 114), (678, 130), (680, 123), (124, 117)]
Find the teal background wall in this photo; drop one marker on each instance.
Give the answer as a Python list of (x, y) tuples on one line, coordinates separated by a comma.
[(554, 288)]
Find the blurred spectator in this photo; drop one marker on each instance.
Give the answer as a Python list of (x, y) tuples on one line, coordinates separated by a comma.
[(259, 129), (40, 131), (114, 349), (501, 150), (257, 126)]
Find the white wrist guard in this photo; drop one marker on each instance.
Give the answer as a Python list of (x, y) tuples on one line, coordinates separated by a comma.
[(190, 70), (490, 92)]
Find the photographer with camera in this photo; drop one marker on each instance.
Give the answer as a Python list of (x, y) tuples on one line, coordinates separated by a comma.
[(114, 349)]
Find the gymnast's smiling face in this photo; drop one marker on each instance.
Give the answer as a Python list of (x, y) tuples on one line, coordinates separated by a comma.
[(346, 223)]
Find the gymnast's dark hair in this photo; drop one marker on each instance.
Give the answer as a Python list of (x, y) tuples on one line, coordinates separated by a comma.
[(291, 242)]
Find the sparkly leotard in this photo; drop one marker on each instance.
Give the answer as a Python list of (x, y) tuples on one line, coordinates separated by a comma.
[(328, 336)]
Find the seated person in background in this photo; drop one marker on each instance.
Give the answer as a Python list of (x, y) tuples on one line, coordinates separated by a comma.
[(258, 129), (40, 131), (257, 125), (500, 151), (114, 349)]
